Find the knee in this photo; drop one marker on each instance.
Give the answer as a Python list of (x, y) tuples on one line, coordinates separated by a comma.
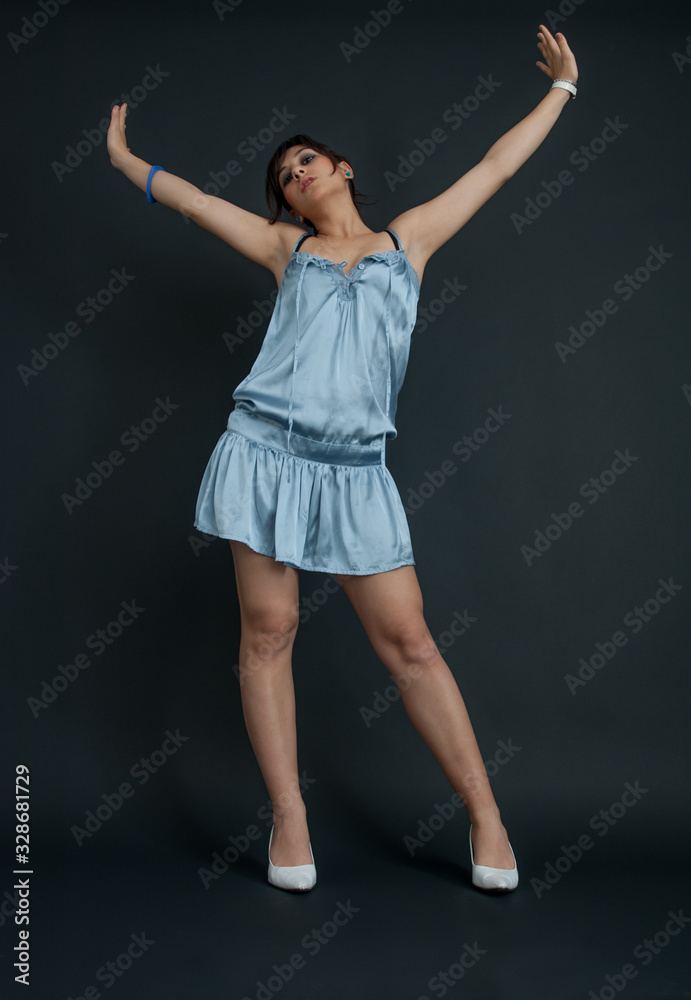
[(414, 645), (269, 634)]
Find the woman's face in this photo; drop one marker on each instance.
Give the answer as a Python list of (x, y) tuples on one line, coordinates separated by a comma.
[(306, 176)]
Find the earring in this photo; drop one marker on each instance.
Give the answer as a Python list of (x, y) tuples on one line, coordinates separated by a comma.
[(347, 173), (298, 218)]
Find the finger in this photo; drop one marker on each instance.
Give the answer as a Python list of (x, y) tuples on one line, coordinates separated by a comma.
[(546, 54), (550, 45), (544, 51), (546, 32)]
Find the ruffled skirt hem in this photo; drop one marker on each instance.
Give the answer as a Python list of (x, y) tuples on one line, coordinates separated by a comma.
[(299, 509)]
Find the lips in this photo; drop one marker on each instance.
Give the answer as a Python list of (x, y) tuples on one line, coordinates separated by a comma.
[(305, 184)]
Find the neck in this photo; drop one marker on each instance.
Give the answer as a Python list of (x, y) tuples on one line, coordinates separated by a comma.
[(338, 224)]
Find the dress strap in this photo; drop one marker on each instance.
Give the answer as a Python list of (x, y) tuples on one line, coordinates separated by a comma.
[(395, 237), (299, 240)]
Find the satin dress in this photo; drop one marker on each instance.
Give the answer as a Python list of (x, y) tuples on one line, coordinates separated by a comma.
[(299, 474)]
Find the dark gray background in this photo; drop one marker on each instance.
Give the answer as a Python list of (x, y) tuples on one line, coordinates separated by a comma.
[(65, 576)]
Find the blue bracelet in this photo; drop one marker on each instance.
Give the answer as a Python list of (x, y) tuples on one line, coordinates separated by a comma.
[(149, 197)]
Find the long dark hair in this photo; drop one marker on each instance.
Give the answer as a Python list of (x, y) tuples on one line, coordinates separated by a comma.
[(274, 191)]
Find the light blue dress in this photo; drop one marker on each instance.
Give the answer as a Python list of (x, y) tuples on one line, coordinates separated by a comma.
[(299, 474)]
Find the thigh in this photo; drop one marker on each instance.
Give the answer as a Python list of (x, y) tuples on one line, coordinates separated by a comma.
[(268, 590), (390, 607)]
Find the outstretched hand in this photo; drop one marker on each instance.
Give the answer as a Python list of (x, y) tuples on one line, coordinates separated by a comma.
[(561, 62), (115, 138)]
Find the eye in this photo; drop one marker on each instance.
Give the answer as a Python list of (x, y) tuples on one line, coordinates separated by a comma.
[(305, 159)]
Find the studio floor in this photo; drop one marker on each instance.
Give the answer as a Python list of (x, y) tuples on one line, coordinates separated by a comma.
[(165, 922)]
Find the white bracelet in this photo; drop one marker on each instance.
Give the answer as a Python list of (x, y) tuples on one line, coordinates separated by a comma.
[(569, 85)]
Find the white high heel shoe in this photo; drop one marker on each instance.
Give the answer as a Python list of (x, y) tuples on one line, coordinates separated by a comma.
[(294, 878), (492, 879)]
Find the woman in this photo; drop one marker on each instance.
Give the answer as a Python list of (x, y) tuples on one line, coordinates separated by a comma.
[(298, 479)]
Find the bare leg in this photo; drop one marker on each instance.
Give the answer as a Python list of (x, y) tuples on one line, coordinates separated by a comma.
[(389, 606), (268, 595)]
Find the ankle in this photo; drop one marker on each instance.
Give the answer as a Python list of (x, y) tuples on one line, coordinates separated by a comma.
[(486, 816), (289, 817)]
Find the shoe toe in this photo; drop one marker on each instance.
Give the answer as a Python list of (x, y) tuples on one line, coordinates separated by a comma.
[(499, 882), (493, 879), (294, 878), (293, 881)]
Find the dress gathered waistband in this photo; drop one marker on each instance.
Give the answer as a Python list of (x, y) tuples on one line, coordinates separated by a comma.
[(272, 435)]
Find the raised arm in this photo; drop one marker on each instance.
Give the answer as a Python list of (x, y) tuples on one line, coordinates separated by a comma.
[(246, 232), (428, 226)]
